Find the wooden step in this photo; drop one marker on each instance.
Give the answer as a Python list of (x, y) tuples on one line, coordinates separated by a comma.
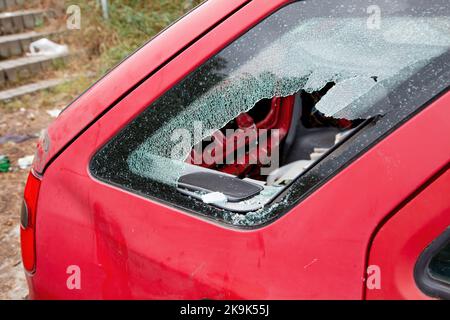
[(9, 94), (9, 4), (19, 21), (15, 4), (15, 70), (19, 44)]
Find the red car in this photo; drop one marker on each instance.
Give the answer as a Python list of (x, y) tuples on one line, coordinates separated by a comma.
[(255, 150)]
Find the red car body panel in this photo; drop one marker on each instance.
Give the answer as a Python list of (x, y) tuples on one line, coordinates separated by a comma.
[(128, 246), (399, 243)]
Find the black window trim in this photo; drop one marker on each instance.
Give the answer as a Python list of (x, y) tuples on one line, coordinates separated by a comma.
[(428, 284)]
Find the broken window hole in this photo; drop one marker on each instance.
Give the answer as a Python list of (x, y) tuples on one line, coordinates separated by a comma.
[(306, 136)]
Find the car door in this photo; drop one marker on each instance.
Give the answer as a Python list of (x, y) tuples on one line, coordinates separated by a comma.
[(411, 247)]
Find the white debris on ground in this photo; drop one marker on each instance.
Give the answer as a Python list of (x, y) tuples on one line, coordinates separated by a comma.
[(25, 162), (47, 47), (54, 113)]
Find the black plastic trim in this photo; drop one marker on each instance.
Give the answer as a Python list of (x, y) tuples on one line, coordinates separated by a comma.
[(431, 286), (232, 187), (24, 216)]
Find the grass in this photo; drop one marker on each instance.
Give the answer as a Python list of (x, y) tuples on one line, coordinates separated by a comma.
[(131, 23), (105, 43)]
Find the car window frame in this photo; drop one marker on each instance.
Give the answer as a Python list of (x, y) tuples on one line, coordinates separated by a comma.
[(350, 150), (428, 284)]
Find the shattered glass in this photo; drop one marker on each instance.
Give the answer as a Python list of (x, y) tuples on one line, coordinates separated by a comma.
[(303, 46), (365, 64)]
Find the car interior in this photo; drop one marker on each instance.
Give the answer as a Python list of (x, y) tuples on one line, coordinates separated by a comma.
[(304, 137)]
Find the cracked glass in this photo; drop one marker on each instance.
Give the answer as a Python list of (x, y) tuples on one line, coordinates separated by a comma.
[(365, 50)]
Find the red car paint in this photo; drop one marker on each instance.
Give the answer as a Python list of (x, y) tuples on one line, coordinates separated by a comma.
[(131, 247)]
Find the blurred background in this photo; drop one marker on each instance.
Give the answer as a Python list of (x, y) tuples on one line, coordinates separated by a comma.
[(50, 52)]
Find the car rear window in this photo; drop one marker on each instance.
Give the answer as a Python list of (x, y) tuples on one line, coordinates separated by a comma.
[(281, 109)]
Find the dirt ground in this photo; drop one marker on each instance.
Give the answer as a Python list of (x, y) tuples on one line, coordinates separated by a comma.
[(21, 121)]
